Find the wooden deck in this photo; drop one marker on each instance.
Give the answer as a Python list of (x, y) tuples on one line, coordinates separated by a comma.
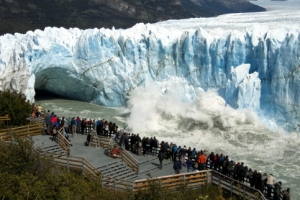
[(117, 175), (96, 156)]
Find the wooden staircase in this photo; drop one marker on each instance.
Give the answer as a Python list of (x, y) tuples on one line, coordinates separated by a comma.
[(117, 170), (54, 149)]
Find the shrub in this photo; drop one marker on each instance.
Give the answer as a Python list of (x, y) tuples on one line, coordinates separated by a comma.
[(16, 105)]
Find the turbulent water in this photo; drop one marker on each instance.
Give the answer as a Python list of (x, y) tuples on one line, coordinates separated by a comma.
[(204, 122)]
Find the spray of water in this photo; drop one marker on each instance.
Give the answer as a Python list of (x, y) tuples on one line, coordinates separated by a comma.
[(174, 111)]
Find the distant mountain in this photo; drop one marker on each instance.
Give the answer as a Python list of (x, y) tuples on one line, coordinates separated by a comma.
[(23, 15), (217, 7)]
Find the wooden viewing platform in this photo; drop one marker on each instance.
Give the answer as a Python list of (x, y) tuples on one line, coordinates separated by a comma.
[(129, 171), (121, 173)]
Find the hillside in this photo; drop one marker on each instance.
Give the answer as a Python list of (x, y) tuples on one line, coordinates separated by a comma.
[(21, 16)]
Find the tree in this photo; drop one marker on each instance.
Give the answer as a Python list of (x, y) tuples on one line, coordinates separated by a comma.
[(16, 105)]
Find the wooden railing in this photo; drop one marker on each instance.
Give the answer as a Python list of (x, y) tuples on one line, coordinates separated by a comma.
[(20, 132), (115, 184), (63, 142), (175, 182), (5, 118), (40, 121), (88, 170), (235, 187), (104, 142), (130, 160)]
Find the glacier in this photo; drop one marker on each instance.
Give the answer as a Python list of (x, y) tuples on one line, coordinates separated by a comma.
[(253, 63)]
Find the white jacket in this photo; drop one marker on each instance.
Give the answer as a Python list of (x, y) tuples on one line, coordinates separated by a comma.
[(270, 180)]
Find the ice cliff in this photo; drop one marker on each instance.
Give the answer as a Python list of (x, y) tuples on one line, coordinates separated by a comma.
[(250, 69)]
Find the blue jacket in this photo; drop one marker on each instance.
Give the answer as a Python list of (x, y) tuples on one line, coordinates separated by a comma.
[(177, 165)]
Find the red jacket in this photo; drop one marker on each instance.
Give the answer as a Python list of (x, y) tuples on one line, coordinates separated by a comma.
[(202, 159)]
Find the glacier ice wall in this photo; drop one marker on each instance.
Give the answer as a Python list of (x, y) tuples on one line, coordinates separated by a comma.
[(250, 69)]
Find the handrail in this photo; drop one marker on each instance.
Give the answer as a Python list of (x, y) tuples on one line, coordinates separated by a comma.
[(63, 142), (40, 123), (78, 163), (234, 186), (130, 160), (174, 182), (171, 182), (5, 118), (20, 131), (125, 156)]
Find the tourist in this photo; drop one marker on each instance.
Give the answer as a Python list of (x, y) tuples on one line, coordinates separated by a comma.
[(286, 194), (258, 180), (189, 165), (154, 145), (74, 126), (177, 166), (249, 175), (78, 123), (189, 151), (224, 165), (147, 147), (122, 140), (126, 141), (39, 110), (245, 170), (48, 121), (161, 157), (182, 155), (115, 152), (54, 132), (270, 183), (220, 162), (193, 153), (83, 126), (253, 180), (277, 189), (201, 161), (241, 172), (211, 160), (263, 182), (230, 167), (216, 162)]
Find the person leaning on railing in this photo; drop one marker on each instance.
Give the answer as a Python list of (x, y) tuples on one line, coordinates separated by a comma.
[(270, 183)]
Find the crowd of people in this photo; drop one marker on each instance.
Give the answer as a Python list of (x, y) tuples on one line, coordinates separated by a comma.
[(180, 155), (202, 160)]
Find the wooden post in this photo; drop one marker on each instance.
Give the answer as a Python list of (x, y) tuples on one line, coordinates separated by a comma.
[(82, 166), (68, 167), (231, 188)]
